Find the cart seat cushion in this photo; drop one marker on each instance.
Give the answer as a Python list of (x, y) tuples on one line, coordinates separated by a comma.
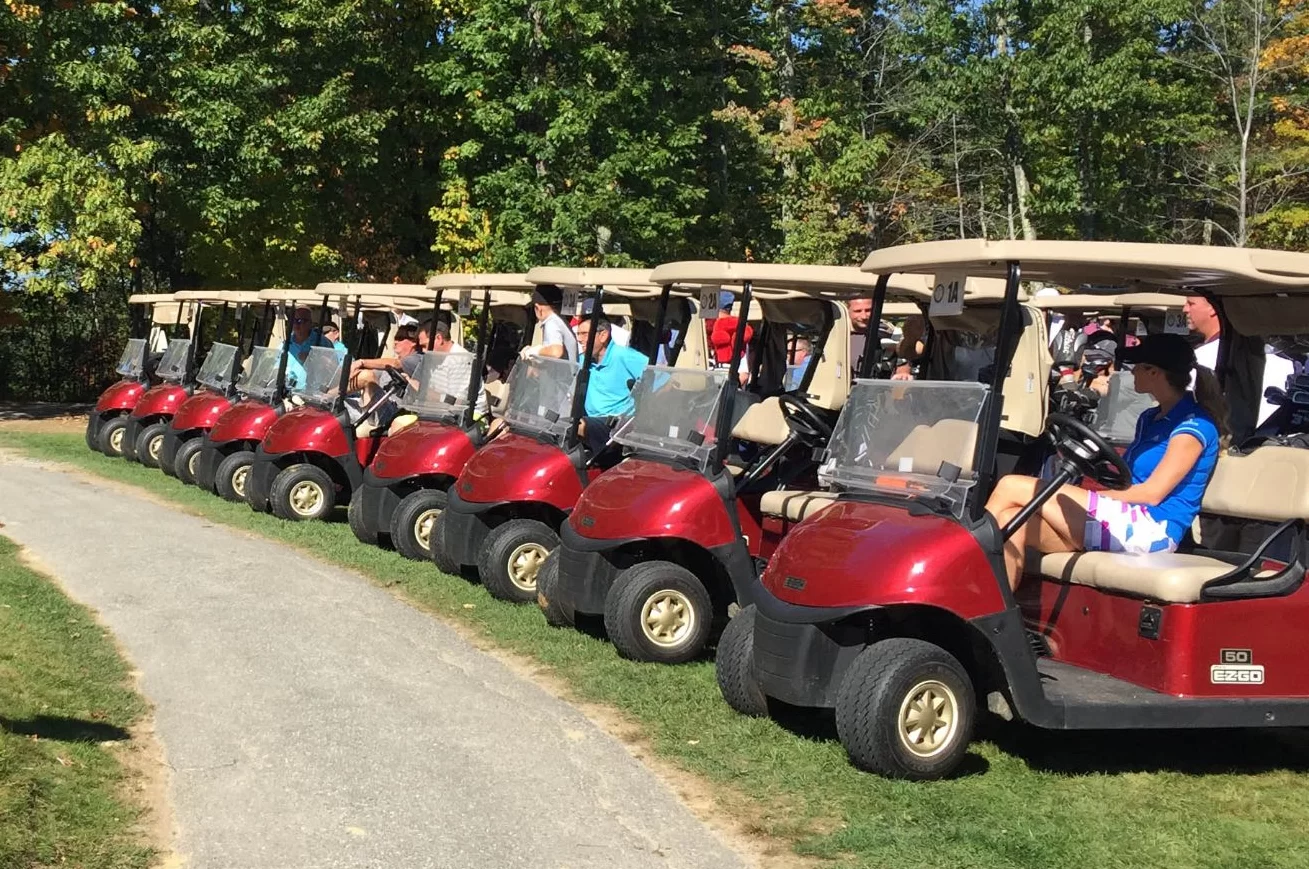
[(1270, 484), (1171, 577), (929, 446), (497, 395), (763, 423), (795, 505)]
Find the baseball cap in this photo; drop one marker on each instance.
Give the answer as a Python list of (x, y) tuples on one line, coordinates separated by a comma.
[(548, 294), (1169, 352)]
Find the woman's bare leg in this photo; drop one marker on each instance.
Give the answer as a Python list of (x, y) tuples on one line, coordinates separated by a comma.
[(1058, 527)]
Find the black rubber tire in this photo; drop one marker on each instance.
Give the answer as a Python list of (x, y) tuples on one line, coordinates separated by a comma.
[(354, 513), (869, 702), (437, 539), (506, 539), (154, 431), (279, 496), (734, 666), (188, 452), (227, 469), (92, 441), (404, 522), (627, 598), (557, 615), (106, 438)]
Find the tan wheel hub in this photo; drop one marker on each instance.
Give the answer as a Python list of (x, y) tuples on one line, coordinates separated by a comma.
[(667, 618), (525, 563), (423, 528), (116, 440), (306, 498), (239, 476), (156, 444), (191, 463), (928, 718)]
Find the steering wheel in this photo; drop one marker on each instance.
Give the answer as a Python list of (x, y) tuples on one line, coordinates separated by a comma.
[(804, 420), (1088, 453)]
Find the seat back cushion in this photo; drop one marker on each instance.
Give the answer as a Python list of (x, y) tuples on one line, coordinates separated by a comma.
[(1271, 484), (927, 447), (762, 423)]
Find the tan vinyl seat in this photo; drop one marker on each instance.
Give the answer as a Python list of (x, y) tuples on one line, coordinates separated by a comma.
[(497, 395), (762, 423), (1269, 484), (795, 505), (928, 447)]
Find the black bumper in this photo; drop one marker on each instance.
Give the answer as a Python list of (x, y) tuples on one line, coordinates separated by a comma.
[(168, 452), (801, 654), (377, 504), (465, 528), (259, 485), (206, 466), (130, 434), (585, 571)]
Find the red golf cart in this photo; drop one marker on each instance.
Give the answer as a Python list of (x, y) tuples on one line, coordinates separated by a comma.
[(217, 377), (403, 490), (313, 457), (143, 437), (665, 542), (151, 314), (889, 604), (503, 511)]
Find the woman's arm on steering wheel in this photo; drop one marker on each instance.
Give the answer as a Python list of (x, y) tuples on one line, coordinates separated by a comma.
[(1183, 452)]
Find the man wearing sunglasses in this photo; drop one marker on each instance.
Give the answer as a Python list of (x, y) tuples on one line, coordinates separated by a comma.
[(303, 334)]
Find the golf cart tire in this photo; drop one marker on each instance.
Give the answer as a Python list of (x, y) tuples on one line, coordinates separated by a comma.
[(92, 442), (106, 438), (156, 430), (877, 691), (227, 470), (188, 453), (355, 514), (557, 614), (634, 589), (283, 491), (439, 558), (517, 537), (405, 520), (734, 666)]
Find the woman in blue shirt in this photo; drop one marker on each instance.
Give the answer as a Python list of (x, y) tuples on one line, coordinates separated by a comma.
[(1172, 459)]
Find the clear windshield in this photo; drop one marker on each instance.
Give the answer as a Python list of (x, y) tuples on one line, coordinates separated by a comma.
[(259, 380), (321, 377), (908, 439), (1117, 412), (216, 372), (541, 395), (173, 365), (443, 380), (676, 409), (129, 364)]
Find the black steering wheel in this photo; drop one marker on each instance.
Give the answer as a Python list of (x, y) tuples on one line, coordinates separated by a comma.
[(803, 420), (1088, 453)]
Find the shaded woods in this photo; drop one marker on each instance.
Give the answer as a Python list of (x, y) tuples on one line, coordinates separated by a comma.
[(174, 144)]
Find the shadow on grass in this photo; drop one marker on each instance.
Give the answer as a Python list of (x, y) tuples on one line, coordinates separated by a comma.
[(63, 729), (1190, 752)]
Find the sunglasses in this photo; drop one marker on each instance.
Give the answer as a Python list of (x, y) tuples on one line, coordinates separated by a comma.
[(301, 320)]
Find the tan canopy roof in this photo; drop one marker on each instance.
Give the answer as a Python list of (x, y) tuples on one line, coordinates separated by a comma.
[(625, 282), (1164, 267), (488, 281), (149, 298), (216, 297), (788, 280)]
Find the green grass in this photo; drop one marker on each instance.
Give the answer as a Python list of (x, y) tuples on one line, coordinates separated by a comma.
[(63, 691), (1033, 799)]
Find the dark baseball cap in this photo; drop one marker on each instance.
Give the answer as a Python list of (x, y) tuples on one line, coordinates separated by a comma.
[(1169, 352), (548, 294)]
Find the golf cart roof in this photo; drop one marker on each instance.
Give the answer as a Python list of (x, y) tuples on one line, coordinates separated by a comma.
[(1075, 302), (1160, 301), (150, 298), (787, 280), (1173, 268), (625, 282), (234, 297), (287, 295), (495, 281)]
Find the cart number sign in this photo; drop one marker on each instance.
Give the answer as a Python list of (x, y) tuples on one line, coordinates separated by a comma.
[(569, 307), (709, 303), (1175, 323), (465, 302), (947, 295), (1236, 667)]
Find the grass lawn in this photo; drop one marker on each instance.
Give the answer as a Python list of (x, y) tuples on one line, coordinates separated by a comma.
[(63, 691), (1032, 799)]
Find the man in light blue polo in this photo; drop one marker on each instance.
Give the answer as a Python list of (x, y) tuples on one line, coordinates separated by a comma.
[(615, 369)]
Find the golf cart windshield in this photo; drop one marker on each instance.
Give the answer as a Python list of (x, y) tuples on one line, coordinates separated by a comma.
[(216, 373), (173, 365), (322, 375), (541, 395), (1117, 412), (261, 380), (129, 364), (909, 439), (443, 380), (676, 409)]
